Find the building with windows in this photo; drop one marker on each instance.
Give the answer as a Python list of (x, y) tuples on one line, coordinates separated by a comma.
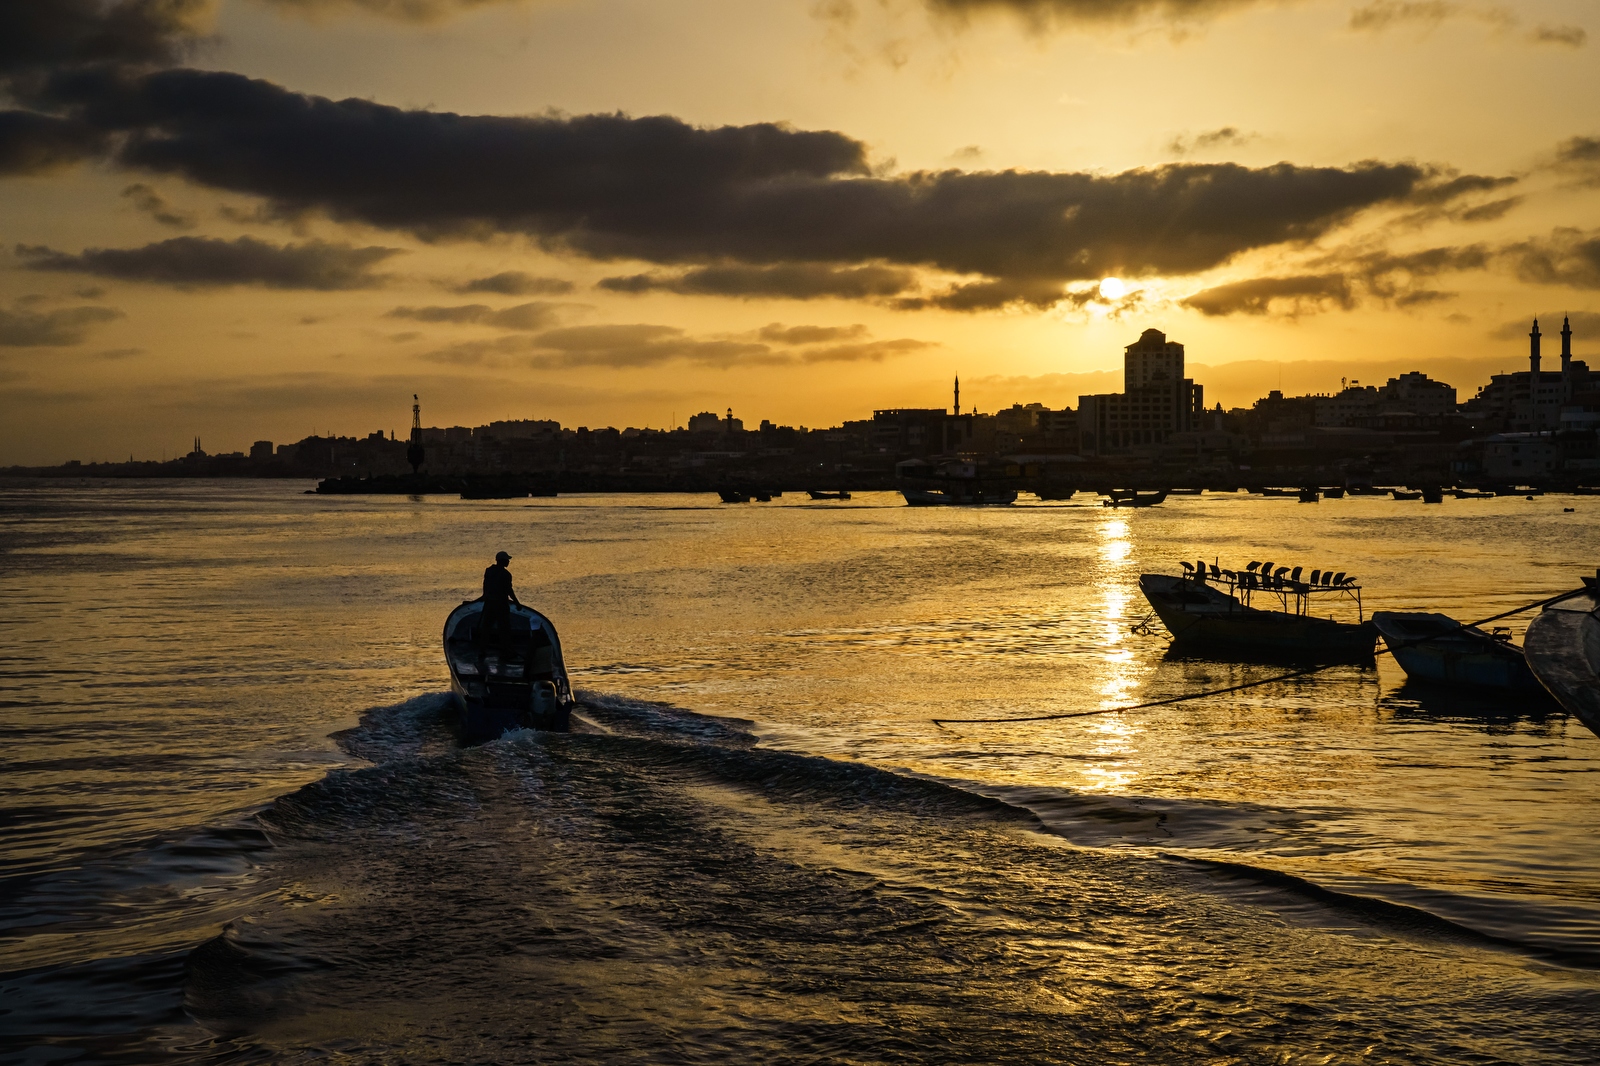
[(1156, 402)]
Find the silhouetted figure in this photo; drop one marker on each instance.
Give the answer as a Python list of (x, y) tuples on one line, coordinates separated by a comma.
[(498, 596)]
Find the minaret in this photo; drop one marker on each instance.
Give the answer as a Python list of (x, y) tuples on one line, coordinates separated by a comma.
[(1533, 352), (1566, 346), (958, 394)]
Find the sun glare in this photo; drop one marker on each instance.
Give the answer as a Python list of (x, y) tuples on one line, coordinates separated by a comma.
[(1112, 288)]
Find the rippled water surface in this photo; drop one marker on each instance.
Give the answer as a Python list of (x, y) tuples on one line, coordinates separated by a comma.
[(237, 828)]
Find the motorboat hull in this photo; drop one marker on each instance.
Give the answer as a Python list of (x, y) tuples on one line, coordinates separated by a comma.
[(959, 496), (1202, 618), (1438, 649), (1563, 650), (501, 687)]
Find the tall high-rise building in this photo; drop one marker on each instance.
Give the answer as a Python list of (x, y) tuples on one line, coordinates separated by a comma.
[(1156, 402)]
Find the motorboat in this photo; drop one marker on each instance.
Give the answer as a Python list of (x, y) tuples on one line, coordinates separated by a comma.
[(1472, 494), (733, 496), (1563, 649), (1310, 495), (1133, 498), (1056, 492), (954, 483), (1437, 648), (515, 682), (1406, 494), (1262, 612), (1335, 492), (816, 494)]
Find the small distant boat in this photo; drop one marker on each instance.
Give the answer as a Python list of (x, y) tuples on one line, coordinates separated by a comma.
[(816, 495), (1310, 495), (1280, 492), (1472, 494), (1133, 498), (1432, 494), (1056, 492), (1405, 494), (521, 684), (1563, 649), (1437, 648), (1185, 492), (1260, 612), (1366, 490), (1334, 493)]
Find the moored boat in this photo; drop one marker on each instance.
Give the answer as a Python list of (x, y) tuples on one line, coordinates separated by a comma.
[(817, 494), (1133, 498), (1563, 649), (500, 686), (1406, 494), (1261, 612), (953, 483), (1437, 648)]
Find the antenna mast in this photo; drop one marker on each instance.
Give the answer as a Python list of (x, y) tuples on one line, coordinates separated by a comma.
[(414, 449)]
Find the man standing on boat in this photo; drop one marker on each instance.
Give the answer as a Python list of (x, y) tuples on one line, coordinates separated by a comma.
[(498, 596)]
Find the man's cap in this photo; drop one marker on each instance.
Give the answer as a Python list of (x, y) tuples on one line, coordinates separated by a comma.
[(501, 557)]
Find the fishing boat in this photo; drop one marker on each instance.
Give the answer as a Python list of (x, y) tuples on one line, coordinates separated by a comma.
[(955, 483), (1336, 492), (1310, 495), (1472, 494), (520, 683), (1056, 492), (1262, 611), (818, 495), (1437, 648), (1406, 494), (1133, 498), (1563, 649)]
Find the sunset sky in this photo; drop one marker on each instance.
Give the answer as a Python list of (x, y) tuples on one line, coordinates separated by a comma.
[(258, 219)]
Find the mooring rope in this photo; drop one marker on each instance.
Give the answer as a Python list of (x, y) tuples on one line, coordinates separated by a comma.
[(1386, 650)]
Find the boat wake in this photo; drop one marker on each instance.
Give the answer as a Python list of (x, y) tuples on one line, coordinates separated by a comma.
[(659, 887)]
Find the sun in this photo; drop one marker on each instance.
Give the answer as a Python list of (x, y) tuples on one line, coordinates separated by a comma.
[(1112, 289)]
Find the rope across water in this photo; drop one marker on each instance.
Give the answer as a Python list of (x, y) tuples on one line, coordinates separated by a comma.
[(1387, 649)]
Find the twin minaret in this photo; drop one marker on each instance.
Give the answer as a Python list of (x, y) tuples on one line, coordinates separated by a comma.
[(1566, 347)]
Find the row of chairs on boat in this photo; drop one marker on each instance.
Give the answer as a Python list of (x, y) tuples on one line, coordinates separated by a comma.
[(1266, 576)]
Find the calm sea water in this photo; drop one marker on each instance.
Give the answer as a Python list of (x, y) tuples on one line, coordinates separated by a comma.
[(236, 827)]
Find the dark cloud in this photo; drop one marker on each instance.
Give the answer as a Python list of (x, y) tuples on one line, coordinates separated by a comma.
[(1383, 15), (795, 281), (1225, 137), (23, 328), (1044, 13), (32, 143), (1287, 296), (643, 345), (865, 352), (152, 203), (1349, 278), (1580, 157), (778, 333), (1567, 257), (210, 261), (659, 190), (1570, 36), (529, 316), (49, 34), (401, 10), (1585, 324), (517, 283)]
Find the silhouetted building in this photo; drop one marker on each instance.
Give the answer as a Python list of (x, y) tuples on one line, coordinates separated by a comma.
[(1531, 400), (261, 451), (1156, 402)]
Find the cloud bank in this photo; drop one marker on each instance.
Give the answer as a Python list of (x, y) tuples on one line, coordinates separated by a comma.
[(210, 262)]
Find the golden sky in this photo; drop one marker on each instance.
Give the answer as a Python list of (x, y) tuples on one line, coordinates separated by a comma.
[(258, 219)]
